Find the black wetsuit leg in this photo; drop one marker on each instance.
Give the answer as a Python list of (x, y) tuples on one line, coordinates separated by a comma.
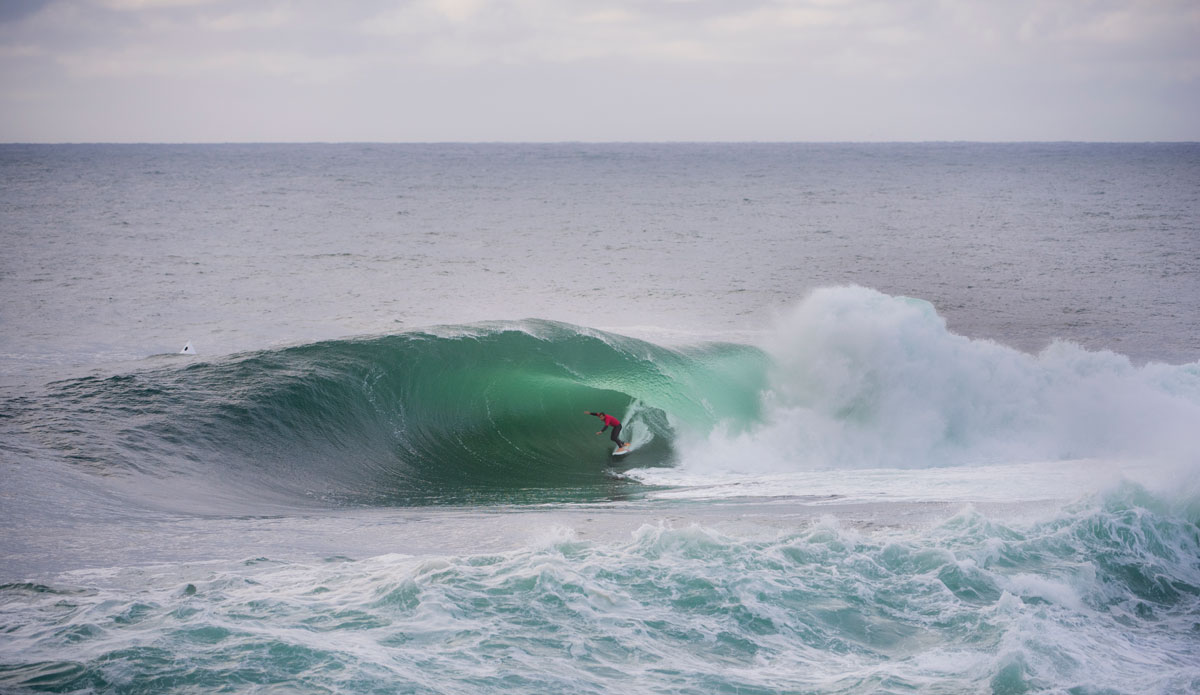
[(616, 431)]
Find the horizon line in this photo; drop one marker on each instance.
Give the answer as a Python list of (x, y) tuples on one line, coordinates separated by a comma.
[(590, 142)]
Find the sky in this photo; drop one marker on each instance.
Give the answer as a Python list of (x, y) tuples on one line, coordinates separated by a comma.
[(598, 70)]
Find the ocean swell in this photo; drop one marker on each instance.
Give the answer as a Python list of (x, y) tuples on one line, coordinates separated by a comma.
[(450, 415), (849, 379)]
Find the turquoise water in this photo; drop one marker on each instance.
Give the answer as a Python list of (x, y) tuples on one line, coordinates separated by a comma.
[(462, 414), (906, 419), (1103, 597)]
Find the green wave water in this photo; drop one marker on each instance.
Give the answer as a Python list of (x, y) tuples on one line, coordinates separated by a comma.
[(463, 414)]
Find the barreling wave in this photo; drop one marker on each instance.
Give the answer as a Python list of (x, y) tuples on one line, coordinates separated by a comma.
[(457, 414), (851, 378)]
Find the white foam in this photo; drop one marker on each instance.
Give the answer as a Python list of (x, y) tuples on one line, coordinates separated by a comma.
[(866, 380), (1040, 481)]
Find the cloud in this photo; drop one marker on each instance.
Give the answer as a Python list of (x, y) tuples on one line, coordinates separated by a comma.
[(144, 5), (13, 10), (135, 62), (832, 68), (274, 18), (785, 33)]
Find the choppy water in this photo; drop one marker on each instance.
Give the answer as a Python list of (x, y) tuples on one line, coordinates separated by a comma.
[(907, 418)]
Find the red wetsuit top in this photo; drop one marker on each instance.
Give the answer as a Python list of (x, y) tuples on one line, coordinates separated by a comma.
[(610, 421)]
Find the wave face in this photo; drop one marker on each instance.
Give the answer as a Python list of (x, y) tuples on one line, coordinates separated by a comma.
[(451, 416)]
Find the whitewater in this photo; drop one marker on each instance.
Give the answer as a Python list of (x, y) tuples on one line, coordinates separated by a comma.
[(906, 418)]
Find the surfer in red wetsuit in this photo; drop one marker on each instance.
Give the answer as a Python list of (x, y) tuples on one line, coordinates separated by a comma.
[(609, 421)]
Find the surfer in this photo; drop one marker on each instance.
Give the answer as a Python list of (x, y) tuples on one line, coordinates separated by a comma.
[(609, 421)]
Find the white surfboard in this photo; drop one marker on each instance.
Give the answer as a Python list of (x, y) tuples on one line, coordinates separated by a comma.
[(623, 450)]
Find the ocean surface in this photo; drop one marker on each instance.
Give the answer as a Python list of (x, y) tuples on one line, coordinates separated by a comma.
[(907, 418)]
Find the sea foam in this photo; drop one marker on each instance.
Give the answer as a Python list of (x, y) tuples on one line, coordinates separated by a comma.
[(860, 379)]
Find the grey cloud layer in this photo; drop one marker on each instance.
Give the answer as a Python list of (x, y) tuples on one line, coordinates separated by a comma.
[(608, 70)]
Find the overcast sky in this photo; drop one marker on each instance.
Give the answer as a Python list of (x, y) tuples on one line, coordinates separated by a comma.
[(598, 70)]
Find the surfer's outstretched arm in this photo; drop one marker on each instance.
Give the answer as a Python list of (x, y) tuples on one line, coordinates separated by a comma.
[(597, 415)]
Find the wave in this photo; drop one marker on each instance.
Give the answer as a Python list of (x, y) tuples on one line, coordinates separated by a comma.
[(446, 415), (849, 379)]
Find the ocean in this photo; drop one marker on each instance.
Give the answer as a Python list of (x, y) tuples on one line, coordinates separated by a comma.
[(906, 418)]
